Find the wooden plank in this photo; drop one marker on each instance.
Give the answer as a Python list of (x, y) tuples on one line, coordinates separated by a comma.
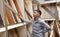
[(41, 2), (20, 8), (7, 21), (6, 4), (48, 2), (9, 15), (11, 21), (28, 6), (14, 32), (12, 27), (2, 11), (28, 14), (17, 7), (13, 6), (3, 15), (29, 10), (52, 34), (28, 26)]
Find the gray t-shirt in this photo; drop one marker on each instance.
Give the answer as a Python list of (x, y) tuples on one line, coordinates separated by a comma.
[(39, 26)]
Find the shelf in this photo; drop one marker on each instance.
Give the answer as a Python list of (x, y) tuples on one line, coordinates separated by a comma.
[(48, 2), (11, 27), (49, 19), (58, 0), (18, 25), (15, 26)]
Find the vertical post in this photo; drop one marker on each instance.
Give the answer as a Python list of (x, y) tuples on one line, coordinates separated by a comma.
[(56, 22), (3, 15)]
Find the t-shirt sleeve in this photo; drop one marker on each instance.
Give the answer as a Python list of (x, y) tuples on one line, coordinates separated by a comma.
[(46, 25)]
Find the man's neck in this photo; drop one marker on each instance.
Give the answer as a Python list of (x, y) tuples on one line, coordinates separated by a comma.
[(36, 18)]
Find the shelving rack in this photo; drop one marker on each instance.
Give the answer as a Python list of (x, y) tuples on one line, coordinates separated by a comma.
[(16, 7)]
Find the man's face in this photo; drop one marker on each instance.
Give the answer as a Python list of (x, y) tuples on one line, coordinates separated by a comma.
[(36, 14)]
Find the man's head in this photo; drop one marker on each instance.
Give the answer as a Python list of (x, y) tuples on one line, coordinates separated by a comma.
[(37, 13)]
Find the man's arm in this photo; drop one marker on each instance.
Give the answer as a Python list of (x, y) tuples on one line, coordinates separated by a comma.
[(24, 20), (46, 25)]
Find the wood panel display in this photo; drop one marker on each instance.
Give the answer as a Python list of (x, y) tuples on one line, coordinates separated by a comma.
[(20, 8), (11, 21), (15, 32), (24, 8), (47, 10)]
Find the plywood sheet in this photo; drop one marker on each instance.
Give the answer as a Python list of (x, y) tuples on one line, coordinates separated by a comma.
[(11, 21), (20, 8), (47, 12)]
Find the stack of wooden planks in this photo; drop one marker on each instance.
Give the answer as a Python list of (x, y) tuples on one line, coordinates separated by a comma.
[(21, 9), (12, 9)]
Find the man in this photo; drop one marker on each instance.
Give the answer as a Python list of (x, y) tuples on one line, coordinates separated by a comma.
[(38, 25)]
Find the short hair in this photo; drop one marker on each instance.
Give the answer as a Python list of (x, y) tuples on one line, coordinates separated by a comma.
[(38, 11)]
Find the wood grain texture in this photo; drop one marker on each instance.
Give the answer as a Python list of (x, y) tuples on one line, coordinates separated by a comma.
[(3, 16), (9, 15), (28, 6), (29, 11), (11, 21), (47, 10), (20, 8), (17, 7)]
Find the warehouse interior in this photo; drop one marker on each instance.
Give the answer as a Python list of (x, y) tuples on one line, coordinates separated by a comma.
[(12, 26)]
